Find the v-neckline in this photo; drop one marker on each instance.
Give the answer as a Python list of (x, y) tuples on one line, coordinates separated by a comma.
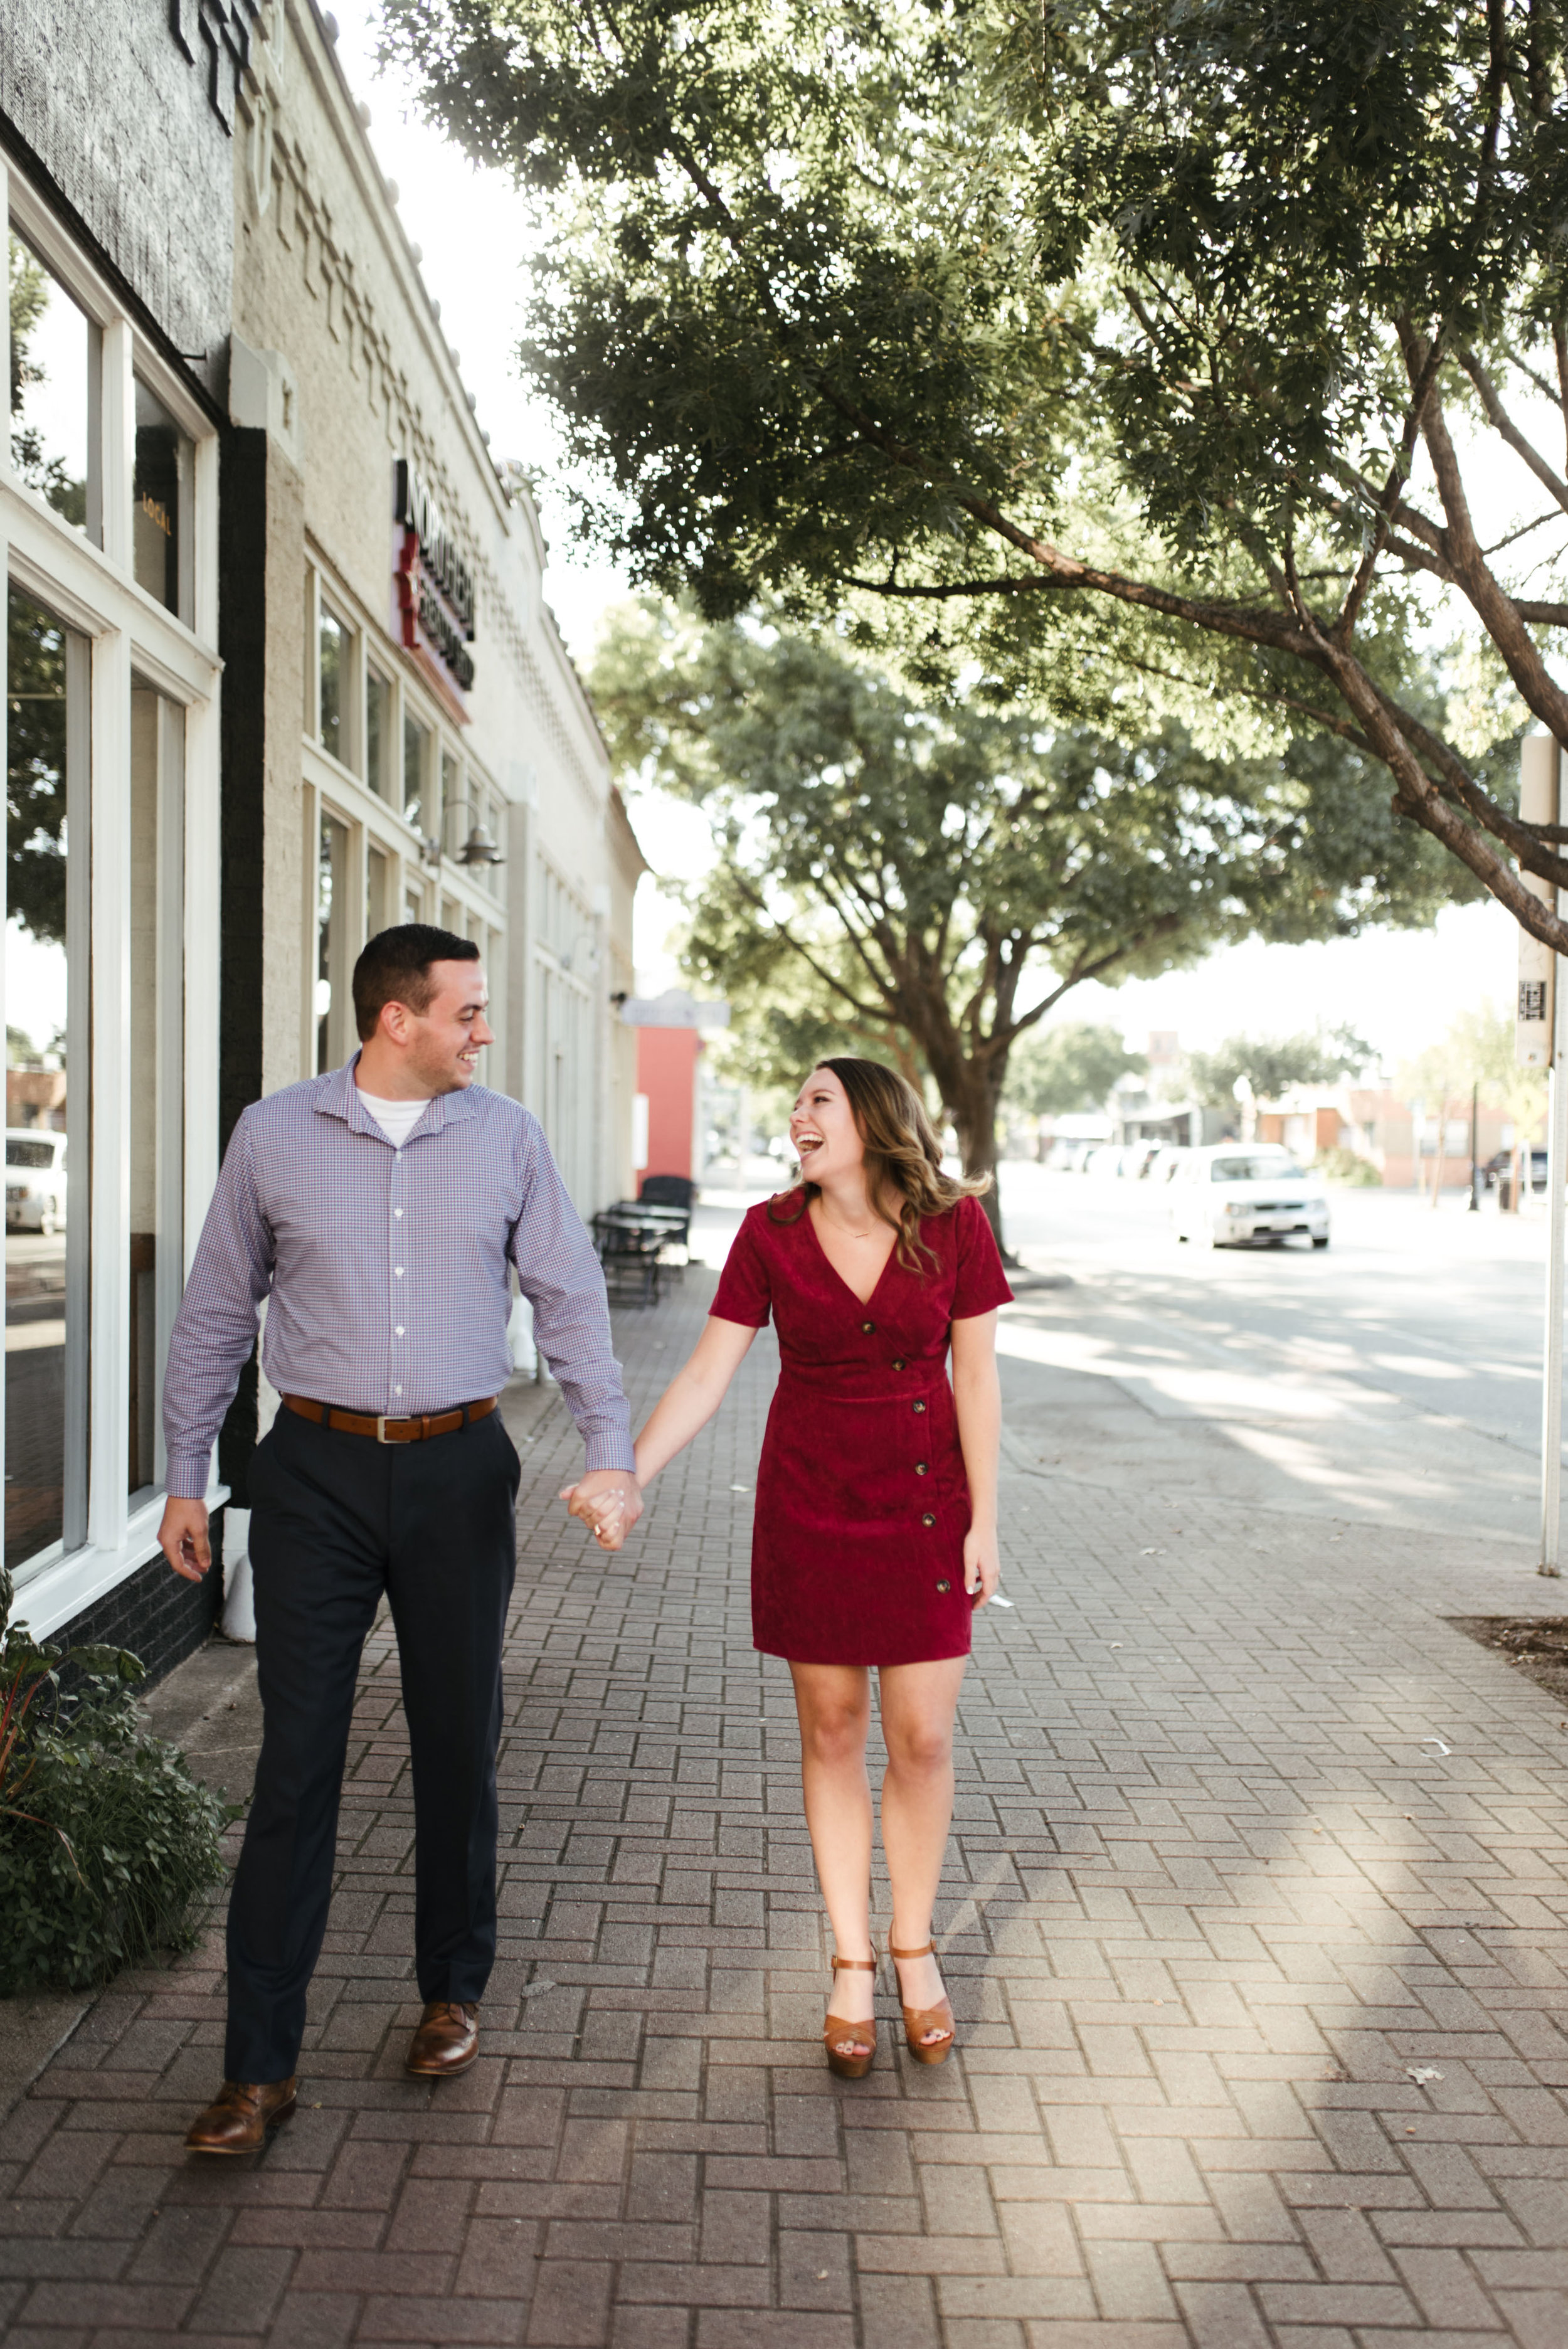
[(861, 1302)]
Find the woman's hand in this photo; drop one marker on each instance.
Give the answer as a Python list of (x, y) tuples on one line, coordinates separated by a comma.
[(982, 1564), (609, 1503)]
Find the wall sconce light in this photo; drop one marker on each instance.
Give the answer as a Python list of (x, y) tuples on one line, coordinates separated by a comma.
[(480, 849)]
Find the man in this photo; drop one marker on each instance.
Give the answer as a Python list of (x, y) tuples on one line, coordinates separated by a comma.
[(377, 1210)]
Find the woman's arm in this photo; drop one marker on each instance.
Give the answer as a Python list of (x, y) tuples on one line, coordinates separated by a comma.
[(692, 1396), (686, 1405), (977, 1392)]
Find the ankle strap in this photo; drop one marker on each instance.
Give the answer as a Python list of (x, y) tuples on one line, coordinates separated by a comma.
[(854, 1965), (929, 1950)]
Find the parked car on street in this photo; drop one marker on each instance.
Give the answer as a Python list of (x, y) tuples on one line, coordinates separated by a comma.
[(1239, 1194), (1165, 1162), (1136, 1157), (1502, 1162), (1067, 1157), (34, 1180)]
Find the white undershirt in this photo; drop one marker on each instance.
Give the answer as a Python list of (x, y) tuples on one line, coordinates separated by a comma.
[(396, 1118)]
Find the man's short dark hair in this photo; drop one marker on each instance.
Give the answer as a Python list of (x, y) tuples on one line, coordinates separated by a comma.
[(394, 968)]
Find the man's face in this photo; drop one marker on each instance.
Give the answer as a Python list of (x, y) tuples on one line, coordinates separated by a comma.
[(445, 1040)]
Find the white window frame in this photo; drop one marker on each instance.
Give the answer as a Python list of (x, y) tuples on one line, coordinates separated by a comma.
[(93, 590)]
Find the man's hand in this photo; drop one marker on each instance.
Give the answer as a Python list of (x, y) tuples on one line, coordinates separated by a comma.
[(609, 1501), (182, 1538)]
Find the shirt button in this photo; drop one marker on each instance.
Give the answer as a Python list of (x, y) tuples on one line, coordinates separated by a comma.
[(917, 1406), (397, 1390), (399, 1272), (921, 1466), (944, 1585), (398, 1331), (867, 1327), (928, 1519), (898, 1361), (396, 1211)]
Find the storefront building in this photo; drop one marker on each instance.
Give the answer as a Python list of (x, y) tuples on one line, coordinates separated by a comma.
[(413, 741), (280, 673), (108, 525)]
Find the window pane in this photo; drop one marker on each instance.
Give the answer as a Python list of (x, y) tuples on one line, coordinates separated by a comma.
[(155, 1152), (378, 731), (378, 890), (161, 495), (413, 904), (47, 1088), (495, 818), (53, 353), (332, 944), (415, 757), (330, 667)]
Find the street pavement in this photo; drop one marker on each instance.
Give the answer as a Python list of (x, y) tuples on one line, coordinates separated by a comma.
[(1253, 1925), (1394, 1378)]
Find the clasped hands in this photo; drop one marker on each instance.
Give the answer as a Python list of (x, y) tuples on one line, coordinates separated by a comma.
[(609, 1501)]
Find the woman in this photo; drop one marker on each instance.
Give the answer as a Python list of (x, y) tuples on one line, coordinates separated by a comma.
[(875, 1524)]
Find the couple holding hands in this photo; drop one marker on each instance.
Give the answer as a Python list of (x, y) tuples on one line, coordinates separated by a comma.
[(378, 1212)]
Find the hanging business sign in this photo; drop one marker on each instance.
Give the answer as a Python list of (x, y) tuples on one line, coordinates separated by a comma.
[(435, 585)]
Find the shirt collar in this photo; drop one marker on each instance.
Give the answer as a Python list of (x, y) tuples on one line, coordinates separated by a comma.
[(339, 1097)]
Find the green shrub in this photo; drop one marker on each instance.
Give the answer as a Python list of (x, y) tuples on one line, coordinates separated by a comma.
[(107, 1842), (1347, 1168)]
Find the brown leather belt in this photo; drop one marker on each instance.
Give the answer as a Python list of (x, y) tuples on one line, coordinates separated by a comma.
[(390, 1430)]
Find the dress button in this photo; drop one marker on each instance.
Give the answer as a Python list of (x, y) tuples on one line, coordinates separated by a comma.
[(944, 1585), (928, 1519), (898, 1361), (917, 1406), (921, 1467), (867, 1327)]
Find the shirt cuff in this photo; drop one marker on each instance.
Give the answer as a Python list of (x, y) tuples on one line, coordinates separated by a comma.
[(612, 1450), (186, 1477)]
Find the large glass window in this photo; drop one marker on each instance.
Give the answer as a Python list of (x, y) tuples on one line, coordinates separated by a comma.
[(377, 891), (331, 960), (54, 374), (416, 767), (378, 733), (162, 495), (156, 1140), (46, 1082), (451, 815), (331, 670)]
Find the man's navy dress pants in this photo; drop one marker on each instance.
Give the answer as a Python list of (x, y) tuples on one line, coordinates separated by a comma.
[(336, 1520)]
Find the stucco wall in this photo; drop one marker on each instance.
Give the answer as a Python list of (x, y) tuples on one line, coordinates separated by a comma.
[(100, 94)]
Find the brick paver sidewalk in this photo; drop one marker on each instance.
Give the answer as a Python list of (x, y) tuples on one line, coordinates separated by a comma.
[(1253, 1927)]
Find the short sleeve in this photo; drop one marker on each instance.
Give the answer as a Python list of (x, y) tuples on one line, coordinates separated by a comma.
[(979, 1283), (745, 1293)]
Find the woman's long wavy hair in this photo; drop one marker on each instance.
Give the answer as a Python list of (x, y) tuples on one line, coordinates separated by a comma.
[(904, 1180)]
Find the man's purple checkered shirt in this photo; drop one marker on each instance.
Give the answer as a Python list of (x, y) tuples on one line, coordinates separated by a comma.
[(386, 1271)]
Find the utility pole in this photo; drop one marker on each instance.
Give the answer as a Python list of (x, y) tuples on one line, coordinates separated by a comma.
[(1475, 1148), (1542, 1038)]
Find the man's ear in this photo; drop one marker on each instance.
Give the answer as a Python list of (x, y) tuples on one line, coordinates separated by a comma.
[(395, 1022)]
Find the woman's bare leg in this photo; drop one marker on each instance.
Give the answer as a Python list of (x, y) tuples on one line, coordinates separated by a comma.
[(918, 1706), (833, 1702)]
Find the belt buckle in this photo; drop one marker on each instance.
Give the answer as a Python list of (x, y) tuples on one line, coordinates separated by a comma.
[(381, 1434)]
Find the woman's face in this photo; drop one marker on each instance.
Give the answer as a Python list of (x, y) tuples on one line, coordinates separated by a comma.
[(822, 1129)]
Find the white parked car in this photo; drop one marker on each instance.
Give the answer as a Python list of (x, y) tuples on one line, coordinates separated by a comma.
[(1240, 1192), (34, 1180)]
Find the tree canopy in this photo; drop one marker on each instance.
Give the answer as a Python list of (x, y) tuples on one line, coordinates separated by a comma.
[(1061, 1070), (925, 878), (1273, 1064), (1138, 352)]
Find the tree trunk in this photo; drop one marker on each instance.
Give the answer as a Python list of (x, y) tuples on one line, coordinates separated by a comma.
[(974, 1115)]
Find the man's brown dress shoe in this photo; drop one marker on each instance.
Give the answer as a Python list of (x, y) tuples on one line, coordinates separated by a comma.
[(447, 2041), (238, 2121)]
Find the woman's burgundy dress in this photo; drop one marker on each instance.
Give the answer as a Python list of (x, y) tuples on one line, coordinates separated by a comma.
[(857, 1556)]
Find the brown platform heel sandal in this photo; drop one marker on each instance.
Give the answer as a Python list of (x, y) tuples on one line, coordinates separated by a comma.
[(862, 2035), (919, 2020)]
